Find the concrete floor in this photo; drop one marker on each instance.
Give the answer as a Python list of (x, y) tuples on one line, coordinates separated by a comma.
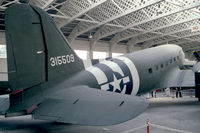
[(170, 113)]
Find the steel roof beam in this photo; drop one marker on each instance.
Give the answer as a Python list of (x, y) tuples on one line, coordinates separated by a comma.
[(161, 35), (50, 2), (42, 3), (58, 11), (187, 46), (98, 35), (92, 6), (173, 24), (176, 37), (89, 21), (189, 40), (1, 1), (76, 32), (2, 8), (54, 6), (117, 38), (9, 3)]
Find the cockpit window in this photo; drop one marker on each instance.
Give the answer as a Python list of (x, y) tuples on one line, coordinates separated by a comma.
[(150, 70)]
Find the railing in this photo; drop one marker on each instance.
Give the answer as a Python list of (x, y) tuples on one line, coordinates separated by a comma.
[(150, 128), (185, 92)]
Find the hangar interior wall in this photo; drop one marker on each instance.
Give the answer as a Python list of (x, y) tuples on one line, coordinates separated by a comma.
[(102, 47), (3, 61), (2, 38)]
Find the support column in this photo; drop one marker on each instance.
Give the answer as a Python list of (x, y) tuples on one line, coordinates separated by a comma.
[(110, 51), (130, 45), (2, 38), (91, 52), (130, 48)]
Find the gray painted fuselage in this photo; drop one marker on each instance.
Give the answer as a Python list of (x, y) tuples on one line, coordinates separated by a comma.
[(160, 59)]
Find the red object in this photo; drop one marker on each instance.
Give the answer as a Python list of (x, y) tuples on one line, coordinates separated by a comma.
[(147, 125), (17, 91), (31, 109), (159, 90)]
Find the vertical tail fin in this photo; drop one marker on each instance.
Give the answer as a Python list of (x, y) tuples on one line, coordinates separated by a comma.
[(37, 50)]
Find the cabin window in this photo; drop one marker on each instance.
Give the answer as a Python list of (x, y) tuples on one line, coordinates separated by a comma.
[(150, 70), (174, 59), (161, 65)]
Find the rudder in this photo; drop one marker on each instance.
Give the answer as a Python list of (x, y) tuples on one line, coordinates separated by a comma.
[(37, 50)]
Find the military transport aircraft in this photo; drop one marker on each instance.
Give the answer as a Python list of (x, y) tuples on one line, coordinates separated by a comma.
[(48, 80)]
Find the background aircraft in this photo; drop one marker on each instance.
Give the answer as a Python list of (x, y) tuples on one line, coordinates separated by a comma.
[(48, 80)]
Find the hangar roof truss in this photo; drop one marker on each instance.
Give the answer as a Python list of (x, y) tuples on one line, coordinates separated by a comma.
[(143, 23)]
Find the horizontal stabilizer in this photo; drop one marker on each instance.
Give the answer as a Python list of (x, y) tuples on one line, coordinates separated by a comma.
[(186, 78), (178, 78), (88, 106)]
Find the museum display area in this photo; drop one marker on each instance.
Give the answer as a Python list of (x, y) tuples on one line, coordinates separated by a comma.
[(113, 66)]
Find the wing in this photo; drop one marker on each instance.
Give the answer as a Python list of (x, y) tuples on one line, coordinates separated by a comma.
[(88, 106), (179, 78), (186, 78)]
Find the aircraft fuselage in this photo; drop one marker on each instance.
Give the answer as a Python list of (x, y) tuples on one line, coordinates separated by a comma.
[(135, 73)]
